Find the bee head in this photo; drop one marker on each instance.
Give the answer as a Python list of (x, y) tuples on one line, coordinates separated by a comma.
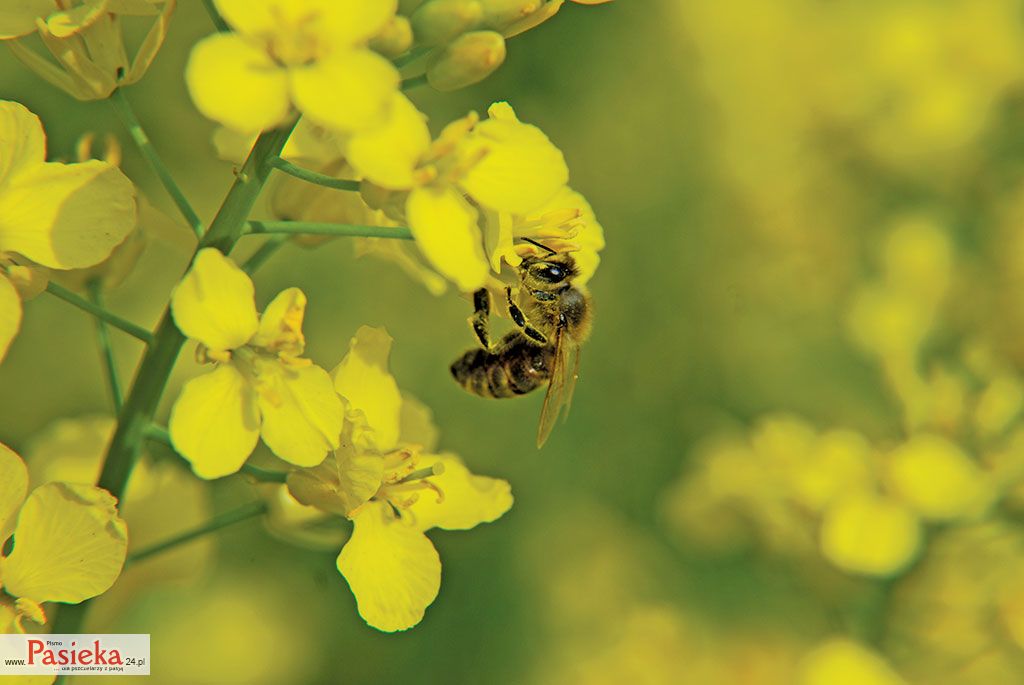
[(548, 272)]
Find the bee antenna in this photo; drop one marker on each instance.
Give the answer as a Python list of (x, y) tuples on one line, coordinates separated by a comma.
[(543, 247)]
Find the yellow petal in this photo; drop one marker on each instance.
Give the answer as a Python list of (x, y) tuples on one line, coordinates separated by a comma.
[(388, 154), (13, 486), (66, 215), (520, 168), (22, 140), (417, 424), (237, 84), (867, 534), (342, 483), (363, 379), (936, 478), (302, 415), (18, 17), (347, 92), (445, 228), (10, 315), (69, 545), (214, 303), (336, 22), (355, 21), (844, 662), (280, 329), (468, 499), (215, 422), (297, 523), (391, 567)]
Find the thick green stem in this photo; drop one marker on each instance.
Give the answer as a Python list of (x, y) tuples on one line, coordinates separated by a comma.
[(342, 230), (224, 520), (131, 123), (103, 340), (311, 176), (100, 312), (136, 417)]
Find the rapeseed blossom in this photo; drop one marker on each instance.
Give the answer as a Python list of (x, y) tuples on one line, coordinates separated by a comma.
[(500, 173), (393, 490), (261, 385), (61, 216), (287, 55), (84, 37), (69, 543)]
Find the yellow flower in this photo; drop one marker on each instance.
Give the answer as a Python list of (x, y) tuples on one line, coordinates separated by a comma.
[(162, 501), (564, 223), (393, 499), (498, 165), (844, 662), (939, 481), (84, 37), (261, 385), (869, 534), (70, 543), (309, 55), (61, 216), (393, 494)]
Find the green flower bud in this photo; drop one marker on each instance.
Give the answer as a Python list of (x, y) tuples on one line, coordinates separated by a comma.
[(395, 39), (500, 14), (440, 21), (470, 58)]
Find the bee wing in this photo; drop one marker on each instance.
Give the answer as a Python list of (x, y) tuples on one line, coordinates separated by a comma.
[(570, 382), (559, 387)]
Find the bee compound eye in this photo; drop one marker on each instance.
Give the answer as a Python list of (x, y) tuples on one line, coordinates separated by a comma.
[(552, 273)]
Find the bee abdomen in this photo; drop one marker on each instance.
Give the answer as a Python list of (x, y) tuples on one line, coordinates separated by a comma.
[(514, 371)]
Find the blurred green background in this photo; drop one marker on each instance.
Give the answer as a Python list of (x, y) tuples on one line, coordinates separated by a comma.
[(750, 163)]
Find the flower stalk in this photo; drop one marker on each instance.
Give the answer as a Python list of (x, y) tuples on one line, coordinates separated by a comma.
[(101, 313), (311, 176), (340, 230)]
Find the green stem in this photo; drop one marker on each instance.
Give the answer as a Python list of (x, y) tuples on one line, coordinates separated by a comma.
[(100, 313), (410, 56), (228, 518), (311, 176), (135, 421), (415, 82), (342, 230), (264, 475), (135, 130), (266, 251), (218, 21), (103, 339)]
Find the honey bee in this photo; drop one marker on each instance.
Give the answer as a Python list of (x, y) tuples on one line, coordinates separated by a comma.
[(552, 318)]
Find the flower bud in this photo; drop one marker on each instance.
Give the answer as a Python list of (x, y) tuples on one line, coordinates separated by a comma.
[(440, 21), (395, 38), (470, 58), (500, 14)]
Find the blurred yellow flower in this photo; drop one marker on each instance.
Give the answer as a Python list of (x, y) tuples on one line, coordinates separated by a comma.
[(869, 534), (261, 385), (70, 543), (61, 216), (936, 478), (306, 54), (844, 662), (84, 36)]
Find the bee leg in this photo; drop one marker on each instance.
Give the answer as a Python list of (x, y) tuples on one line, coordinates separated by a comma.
[(520, 319), (481, 314)]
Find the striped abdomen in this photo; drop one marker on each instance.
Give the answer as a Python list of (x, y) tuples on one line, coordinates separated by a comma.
[(515, 368)]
